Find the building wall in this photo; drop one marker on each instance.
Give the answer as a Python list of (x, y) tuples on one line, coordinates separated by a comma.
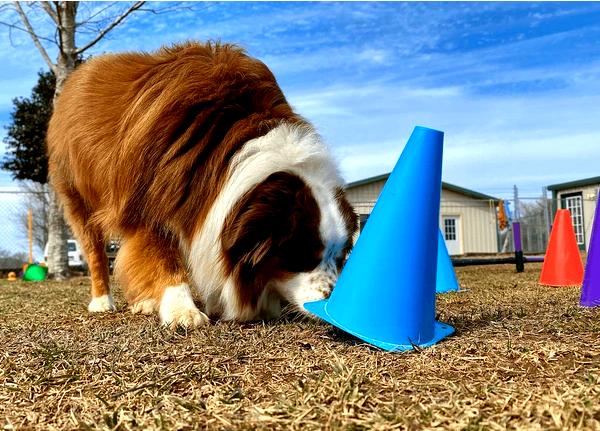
[(589, 194), (477, 221), (478, 233), (363, 197)]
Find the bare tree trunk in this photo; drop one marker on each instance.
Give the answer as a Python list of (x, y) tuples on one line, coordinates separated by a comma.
[(58, 260), (63, 15)]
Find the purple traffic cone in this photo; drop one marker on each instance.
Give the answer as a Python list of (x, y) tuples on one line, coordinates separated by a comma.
[(590, 292)]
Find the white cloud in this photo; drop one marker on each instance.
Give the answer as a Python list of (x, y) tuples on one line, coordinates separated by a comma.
[(492, 141), (373, 55)]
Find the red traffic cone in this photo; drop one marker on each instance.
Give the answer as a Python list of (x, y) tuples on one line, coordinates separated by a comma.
[(562, 263)]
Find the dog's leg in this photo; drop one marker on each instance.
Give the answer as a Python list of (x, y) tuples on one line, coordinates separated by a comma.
[(91, 239), (150, 268)]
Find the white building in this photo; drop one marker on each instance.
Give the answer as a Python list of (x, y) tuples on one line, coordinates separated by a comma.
[(580, 198), (467, 218)]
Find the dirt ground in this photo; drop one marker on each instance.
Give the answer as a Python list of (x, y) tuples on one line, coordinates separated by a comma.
[(523, 357)]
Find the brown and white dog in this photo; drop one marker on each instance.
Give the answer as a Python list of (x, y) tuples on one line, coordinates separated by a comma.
[(194, 158)]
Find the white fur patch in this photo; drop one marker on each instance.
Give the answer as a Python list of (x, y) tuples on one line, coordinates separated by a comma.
[(177, 308), (298, 150), (268, 307), (147, 306), (102, 304), (309, 286)]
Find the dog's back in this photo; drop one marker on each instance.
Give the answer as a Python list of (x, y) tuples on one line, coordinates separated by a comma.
[(165, 117)]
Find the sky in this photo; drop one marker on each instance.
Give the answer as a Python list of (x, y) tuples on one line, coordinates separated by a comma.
[(515, 86)]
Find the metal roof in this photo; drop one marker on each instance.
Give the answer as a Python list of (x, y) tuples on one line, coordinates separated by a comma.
[(572, 184), (447, 186)]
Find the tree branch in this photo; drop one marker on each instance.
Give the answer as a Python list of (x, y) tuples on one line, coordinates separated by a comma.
[(13, 25), (51, 12), (59, 28), (171, 8), (112, 25), (91, 17), (16, 27), (34, 37)]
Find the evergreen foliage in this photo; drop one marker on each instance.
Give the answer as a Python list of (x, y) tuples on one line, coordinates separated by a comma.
[(26, 134)]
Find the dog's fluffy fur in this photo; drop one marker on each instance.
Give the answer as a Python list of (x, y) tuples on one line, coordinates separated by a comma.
[(194, 158)]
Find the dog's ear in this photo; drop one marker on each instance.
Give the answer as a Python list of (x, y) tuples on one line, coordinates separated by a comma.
[(242, 242), (278, 218), (271, 232)]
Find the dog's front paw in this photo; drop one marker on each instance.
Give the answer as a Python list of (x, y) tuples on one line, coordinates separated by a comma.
[(102, 304), (146, 306), (177, 309), (185, 318), (317, 285), (307, 287)]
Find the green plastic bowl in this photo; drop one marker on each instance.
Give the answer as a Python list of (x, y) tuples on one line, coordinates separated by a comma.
[(35, 273)]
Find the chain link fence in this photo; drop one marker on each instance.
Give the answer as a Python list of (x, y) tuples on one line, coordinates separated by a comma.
[(15, 242), (472, 226), (534, 218)]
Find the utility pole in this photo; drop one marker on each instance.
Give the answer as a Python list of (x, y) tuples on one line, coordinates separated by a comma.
[(546, 208)]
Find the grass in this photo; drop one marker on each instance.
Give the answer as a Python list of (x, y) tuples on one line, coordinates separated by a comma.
[(523, 357)]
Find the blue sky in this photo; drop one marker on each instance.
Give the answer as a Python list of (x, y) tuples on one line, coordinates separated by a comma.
[(515, 86)]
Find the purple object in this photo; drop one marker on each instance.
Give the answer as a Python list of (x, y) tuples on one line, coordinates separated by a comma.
[(534, 258), (590, 291), (517, 235)]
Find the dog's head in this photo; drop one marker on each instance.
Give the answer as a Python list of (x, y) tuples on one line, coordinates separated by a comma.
[(288, 236)]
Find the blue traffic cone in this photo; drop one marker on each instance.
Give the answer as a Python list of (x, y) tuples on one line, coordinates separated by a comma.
[(385, 294), (446, 277)]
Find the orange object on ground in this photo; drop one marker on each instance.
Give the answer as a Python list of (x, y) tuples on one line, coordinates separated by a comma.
[(562, 263)]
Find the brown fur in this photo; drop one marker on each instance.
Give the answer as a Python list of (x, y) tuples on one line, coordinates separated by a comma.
[(138, 146), (272, 231)]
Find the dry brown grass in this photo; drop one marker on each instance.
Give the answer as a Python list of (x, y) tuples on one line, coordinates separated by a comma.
[(523, 357)]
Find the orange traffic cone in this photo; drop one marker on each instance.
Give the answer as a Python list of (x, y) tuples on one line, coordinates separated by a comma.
[(562, 263)]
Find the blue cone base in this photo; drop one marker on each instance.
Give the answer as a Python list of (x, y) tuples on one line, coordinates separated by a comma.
[(440, 330), (447, 289)]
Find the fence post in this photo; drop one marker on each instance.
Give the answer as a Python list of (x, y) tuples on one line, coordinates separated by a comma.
[(498, 237), (30, 233), (520, 263), (546, 209)]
